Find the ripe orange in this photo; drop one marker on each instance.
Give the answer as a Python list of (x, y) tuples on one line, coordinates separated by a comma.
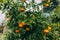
[(28, 29), (23, 23), (49, 28), (16, 30), (22, 9), (20, 25), (46, 31), (46, 5)]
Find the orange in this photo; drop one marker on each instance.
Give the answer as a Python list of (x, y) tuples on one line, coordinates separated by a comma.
[(20, 25), (23, 23), (22, 9), (46, 31), (46, 5), (49, 28), (17, 30), (28, 29)]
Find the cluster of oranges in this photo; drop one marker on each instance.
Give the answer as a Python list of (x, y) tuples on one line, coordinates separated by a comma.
[(21, 25), (47, 4), (47, 30)]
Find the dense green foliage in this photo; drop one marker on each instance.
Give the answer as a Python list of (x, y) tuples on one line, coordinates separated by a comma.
[(36, 21)]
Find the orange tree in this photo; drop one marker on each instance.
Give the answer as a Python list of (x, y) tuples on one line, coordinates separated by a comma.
[(28, 25)]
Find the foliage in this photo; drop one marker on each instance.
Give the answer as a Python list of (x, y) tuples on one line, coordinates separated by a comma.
[(31, 25)]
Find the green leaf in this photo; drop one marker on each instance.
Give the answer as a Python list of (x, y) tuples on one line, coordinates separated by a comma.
[(3, 1)]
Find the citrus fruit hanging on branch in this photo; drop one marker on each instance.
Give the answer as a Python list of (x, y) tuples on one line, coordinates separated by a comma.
[(49, 28), (28, 29), (47, 5), (20, 25), (22, 9), (46, 31), (23, 23), (17, 31)]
